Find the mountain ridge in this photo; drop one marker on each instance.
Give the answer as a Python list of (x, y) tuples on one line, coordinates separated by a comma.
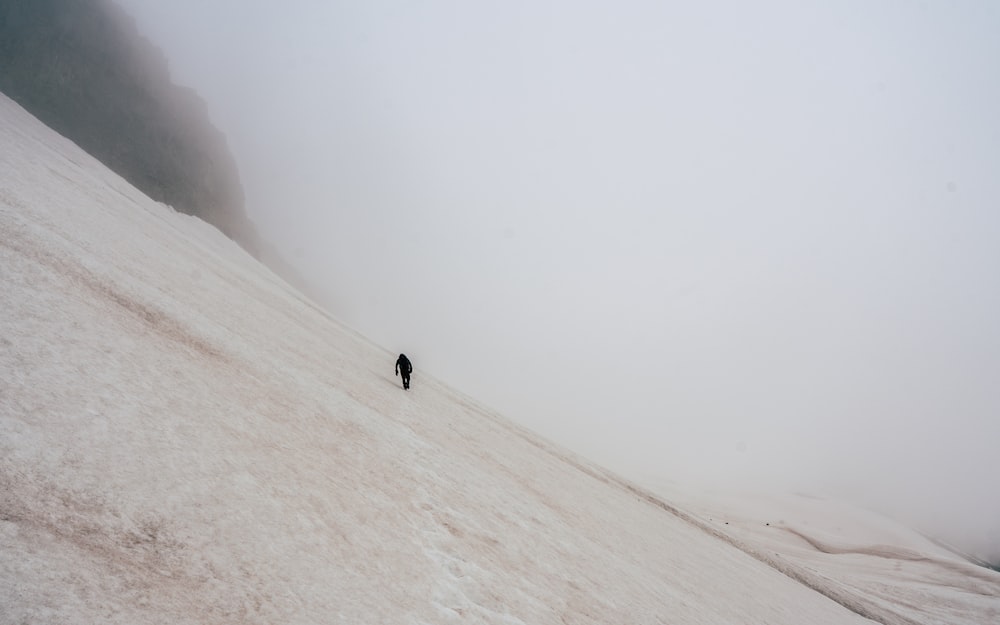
[(83, 68)]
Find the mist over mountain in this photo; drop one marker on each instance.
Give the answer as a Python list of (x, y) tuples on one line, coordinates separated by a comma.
[(83, 68), (809, 270)]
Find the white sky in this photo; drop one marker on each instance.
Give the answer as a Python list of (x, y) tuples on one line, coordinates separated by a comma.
[(697, 240)]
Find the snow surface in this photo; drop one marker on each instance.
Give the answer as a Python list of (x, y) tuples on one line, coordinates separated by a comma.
[(184, 438)]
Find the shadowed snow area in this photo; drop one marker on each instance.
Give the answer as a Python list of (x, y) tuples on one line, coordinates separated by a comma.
[(186, 439)]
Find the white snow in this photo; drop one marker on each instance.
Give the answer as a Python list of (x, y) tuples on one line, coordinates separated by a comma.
[(186, 439)]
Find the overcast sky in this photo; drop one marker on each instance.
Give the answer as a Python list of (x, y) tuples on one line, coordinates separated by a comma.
[(707, 241)]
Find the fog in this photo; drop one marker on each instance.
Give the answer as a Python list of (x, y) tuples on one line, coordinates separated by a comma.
[(716, 243)]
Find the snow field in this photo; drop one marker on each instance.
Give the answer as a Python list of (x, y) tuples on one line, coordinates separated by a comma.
[(186, 439)]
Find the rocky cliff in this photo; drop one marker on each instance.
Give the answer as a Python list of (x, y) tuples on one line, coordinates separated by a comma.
[(83, 68)]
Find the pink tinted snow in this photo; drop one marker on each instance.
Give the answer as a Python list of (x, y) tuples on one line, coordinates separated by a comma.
[(184, 438)]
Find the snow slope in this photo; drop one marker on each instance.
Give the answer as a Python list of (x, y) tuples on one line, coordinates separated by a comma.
[(186, 439), (879, 563)]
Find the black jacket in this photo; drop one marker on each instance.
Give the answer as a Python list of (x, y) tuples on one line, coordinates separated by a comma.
[(404, 363)]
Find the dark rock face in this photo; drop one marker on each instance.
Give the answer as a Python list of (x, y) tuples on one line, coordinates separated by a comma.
[(82, 68)]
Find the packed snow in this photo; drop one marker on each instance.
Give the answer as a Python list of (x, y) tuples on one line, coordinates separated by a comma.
[(184, 438)]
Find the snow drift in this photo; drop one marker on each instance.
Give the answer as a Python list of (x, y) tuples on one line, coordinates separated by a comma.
[(186, 439)]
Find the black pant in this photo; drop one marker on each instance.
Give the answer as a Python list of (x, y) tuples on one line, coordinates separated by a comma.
[(406, 378)]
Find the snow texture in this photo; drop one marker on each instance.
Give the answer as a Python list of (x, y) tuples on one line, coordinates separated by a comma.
[(184, 438)]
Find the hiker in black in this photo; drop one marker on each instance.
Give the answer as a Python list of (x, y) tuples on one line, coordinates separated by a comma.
[(403, 365)]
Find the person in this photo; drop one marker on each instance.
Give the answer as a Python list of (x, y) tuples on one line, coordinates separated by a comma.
[(403, 366)]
